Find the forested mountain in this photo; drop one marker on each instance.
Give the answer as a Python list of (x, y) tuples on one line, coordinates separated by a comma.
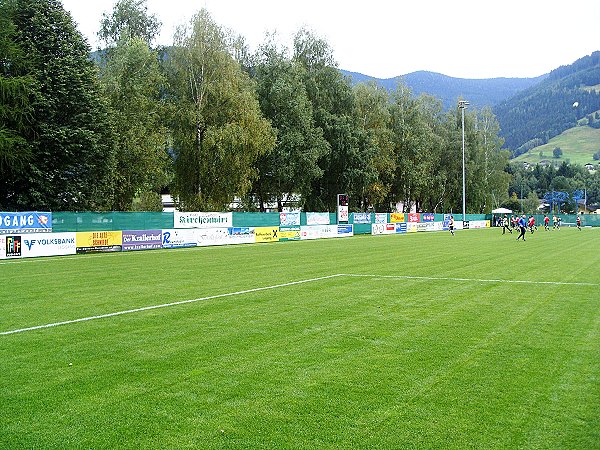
[(479, 92), (566, 96)]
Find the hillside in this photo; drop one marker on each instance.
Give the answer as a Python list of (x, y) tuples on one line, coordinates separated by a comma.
[(479, 92), (559, 102), (578, 145)]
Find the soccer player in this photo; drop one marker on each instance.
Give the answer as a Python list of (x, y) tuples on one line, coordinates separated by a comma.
[(505, 225), (579, 223), (451, 225), (522, 227), (546, 222), (554, 222), (531, 224)]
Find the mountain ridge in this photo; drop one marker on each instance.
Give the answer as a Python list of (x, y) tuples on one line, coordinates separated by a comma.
[(478, 91)]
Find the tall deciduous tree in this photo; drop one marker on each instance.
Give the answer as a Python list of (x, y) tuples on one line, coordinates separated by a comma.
[(345, 166), (292, 165), (129, 19), (373, 116), (71, 145), (218, 131), (488, 181), (133, 83), (412, 139)]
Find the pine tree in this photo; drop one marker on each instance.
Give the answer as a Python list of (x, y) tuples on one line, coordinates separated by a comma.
[(69, 133)]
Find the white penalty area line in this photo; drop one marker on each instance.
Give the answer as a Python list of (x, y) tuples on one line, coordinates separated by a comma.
[(165, 305), (293, 283), (476, 280)]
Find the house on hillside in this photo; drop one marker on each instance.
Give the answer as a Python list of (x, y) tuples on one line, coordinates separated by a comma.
[(590, 166)]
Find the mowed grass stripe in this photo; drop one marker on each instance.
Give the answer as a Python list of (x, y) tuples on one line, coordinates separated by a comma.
[(167, 305), (283, 285), (339, 374), (100, 284)]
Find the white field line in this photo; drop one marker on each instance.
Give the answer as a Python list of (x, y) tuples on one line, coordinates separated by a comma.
[(477, 280), (292, 283), (165, 305)]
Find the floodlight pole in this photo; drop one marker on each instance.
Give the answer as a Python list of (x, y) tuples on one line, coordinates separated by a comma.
[(462, 104)]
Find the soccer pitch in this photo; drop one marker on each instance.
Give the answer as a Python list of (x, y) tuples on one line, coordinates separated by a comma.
[(422, 340)]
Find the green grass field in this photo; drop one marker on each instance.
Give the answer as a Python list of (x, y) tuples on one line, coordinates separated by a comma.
[(471, 341), (578, 145)]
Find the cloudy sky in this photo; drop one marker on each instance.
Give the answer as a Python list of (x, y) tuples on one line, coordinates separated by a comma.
[(460, 38)]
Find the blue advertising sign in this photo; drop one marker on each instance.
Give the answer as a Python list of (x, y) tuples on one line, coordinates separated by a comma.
[(345, 230), (401, 227), (25, 222), (361, 217), (427, 217)]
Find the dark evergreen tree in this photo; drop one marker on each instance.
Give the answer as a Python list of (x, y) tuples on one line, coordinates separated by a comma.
[(69, 135), (17, 91)]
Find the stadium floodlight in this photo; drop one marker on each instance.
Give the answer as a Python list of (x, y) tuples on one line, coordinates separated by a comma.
[(462, 104)]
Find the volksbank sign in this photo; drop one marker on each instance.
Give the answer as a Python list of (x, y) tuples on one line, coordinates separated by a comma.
[(30, 245), (202, 220)]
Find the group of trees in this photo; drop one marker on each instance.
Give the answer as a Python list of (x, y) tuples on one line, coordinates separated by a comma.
[(210, 122), (528, 186)]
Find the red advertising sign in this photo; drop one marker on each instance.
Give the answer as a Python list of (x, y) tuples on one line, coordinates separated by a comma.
[(414, 217)]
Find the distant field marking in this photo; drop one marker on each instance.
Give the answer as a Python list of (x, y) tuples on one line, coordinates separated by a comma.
[(478, 280), (293, 283), (165, 305)]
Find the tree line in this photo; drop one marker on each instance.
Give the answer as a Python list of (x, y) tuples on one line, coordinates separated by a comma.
[(211, 122), (528, 186)]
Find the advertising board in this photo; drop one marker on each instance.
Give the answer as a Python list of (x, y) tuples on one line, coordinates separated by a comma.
[(48, 244), (178, 238), (414, 217), (241, 235), (361, 218), (345, 230), (202, 219), (266, 234), (397, 217), (31, 245), (383, 228), (289, 219), (142, 240), (25, 222), (318, 232), (317, 218), (289, 233), (99, 241), (401, 227), (381, 218)]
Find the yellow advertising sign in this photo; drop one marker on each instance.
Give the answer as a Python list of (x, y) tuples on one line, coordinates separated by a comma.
[(397, 217), (266, 234), (90, 240)]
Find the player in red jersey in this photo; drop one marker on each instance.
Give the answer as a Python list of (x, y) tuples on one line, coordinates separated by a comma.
[(531, 224)]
